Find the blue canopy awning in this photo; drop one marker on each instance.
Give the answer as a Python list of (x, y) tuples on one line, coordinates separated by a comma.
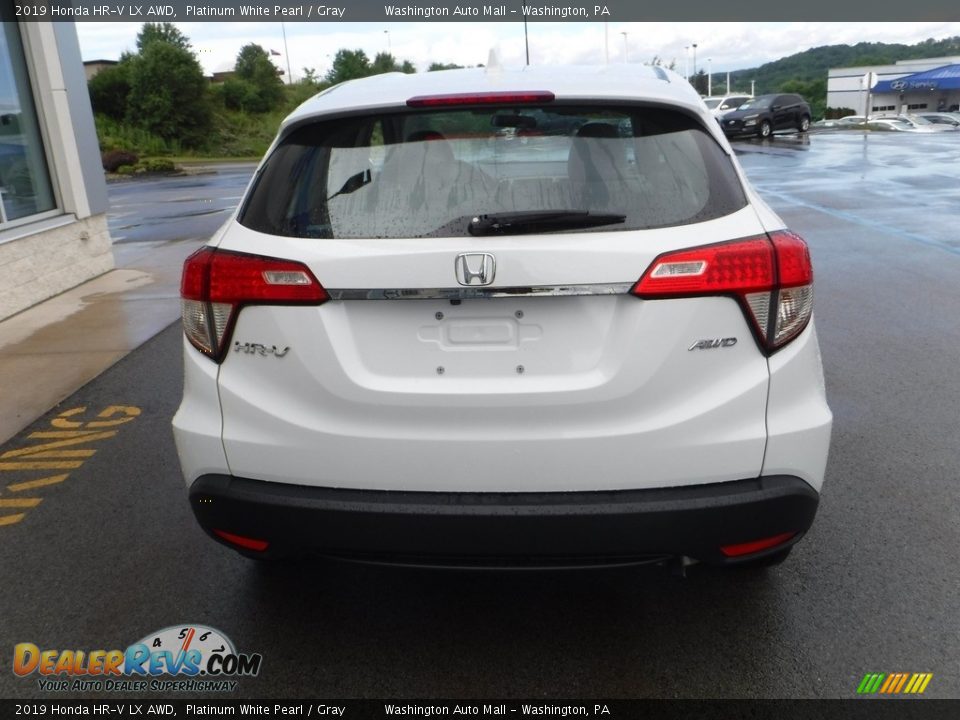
[(941, 78)]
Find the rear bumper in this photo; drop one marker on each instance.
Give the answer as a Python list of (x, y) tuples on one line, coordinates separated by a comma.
[(505, 529), (740, 129)]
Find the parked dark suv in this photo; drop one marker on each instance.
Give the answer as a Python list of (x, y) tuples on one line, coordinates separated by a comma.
[(767, 113)]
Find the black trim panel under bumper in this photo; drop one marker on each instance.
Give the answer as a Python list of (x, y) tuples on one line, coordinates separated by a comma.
[(502, 529)]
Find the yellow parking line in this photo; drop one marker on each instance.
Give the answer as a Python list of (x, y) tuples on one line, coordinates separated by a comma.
[(42, 482), (60, 454), (60, 442), (64, 447), (19, 502), (41, 465)]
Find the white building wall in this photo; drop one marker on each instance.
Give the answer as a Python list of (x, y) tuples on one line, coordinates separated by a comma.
[(46, 254), (845, 87), (46, 262)]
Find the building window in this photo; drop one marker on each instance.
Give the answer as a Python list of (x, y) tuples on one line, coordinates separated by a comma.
[(883, 108), (918, 106), (25, 187)]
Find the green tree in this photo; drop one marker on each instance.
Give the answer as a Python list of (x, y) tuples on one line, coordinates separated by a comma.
[(348, 65), (109, 90), (658, 61), (813, 91), (168, 93), (443, 66), (699, 82), (263, 89), (162, 32), (238, 94), (383, 63)]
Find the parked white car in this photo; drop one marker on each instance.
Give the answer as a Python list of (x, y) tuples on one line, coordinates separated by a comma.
[(422, 340), (892, 123), (941, 118), (844, 122), (907, 123), (719, 105), (925, 124)]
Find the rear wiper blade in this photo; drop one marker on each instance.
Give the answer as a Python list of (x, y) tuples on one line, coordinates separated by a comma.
[(534, 221), (353, 183)]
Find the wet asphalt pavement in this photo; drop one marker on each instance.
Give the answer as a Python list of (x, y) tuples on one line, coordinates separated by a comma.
[(175, 208), (111, 552)]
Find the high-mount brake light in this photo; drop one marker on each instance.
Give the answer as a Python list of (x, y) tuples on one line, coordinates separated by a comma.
[(216, 283), (770, 275), (530, 97)]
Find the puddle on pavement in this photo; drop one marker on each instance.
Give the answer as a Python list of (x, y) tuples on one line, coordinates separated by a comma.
[(54, 313)]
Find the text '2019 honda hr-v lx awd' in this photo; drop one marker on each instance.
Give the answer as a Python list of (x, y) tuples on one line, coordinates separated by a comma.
[(495, 317)]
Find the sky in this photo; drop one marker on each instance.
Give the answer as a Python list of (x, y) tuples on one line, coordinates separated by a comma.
[(720, 46)]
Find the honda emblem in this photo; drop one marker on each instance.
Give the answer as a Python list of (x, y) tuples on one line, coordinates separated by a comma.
[(475, 268)]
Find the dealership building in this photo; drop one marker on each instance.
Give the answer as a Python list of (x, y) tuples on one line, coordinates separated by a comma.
[(931, 84), (53, 198)]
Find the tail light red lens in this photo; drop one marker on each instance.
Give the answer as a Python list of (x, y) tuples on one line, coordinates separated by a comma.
[(755, 546), (771, 276), (216, 283), (241, 541)]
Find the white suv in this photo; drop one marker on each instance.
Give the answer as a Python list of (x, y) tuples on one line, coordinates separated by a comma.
[(720, 105), (492, 318)]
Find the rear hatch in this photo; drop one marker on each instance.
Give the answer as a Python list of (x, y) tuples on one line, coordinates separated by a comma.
[(480, 333)]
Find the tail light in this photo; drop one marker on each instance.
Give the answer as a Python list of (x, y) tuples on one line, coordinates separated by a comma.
[(755, 546), (771, 276), (242, 541), (217, 283)]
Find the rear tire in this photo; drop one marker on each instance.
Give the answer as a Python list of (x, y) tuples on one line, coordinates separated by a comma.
[(804, 125), (765, 130)]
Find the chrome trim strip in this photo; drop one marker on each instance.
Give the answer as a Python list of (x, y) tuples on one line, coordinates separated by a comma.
[(472, 293)]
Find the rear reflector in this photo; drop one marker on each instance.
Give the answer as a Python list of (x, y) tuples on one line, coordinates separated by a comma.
[(530, 97), (217, 283), (756, 546), (241, 541), (770, 275)]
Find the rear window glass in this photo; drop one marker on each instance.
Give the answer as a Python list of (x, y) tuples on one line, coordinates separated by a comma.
[(421, 174)]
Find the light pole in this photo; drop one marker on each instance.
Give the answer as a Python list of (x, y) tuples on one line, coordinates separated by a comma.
[(686, 62), (694, 61), (286, 51), (709, 77), (606, 42), (624, 46), (389, 45), (526, 37)]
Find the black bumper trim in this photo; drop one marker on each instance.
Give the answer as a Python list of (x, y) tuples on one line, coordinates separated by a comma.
[(552, 528)]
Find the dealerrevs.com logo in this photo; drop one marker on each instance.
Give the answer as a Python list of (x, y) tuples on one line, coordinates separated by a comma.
[(200, 658)]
